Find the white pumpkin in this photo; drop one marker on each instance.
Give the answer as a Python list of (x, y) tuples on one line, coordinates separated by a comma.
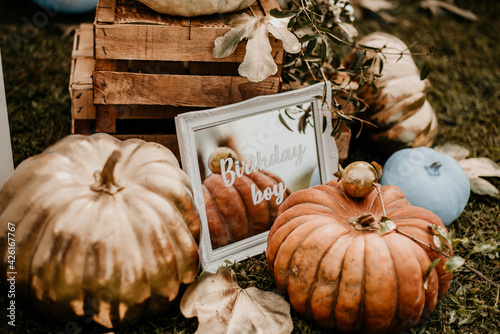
[(398, 106), (190, 8)]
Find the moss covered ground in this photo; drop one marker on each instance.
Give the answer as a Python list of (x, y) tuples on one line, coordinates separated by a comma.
[(465, 86)]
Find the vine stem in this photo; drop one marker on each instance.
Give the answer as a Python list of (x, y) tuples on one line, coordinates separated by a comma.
[(430, 246), (475, 271)]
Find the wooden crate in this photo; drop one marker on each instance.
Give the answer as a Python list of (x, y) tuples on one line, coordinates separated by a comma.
[(134, 70), (150, 67)]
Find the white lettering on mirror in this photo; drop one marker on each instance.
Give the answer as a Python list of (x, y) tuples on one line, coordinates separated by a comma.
[(230, 170), (277, 190)]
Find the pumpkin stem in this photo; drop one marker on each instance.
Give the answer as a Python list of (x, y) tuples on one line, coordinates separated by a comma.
[(105, 179), (433, 169), (364, 222), (218, 156)]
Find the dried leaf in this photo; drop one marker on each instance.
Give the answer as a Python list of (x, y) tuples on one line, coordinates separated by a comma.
[(453, 263), (475, 168), (223, 307), (376, 6), (386, 225), (436, 6), (485, 247), (258, 63), (429, 271), (456, 151), (348, 29)]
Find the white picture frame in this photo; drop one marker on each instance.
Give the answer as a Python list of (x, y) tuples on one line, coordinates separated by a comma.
[(197, 134), (6, 162)]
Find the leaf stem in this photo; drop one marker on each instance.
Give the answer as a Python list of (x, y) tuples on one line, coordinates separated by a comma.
[(251, 10), (378, 186)]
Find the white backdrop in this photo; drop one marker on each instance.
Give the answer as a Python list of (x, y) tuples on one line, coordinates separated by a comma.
[(6, 163)]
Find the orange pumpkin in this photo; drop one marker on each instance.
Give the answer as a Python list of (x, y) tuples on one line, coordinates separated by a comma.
[(232, 212), (326, 254)]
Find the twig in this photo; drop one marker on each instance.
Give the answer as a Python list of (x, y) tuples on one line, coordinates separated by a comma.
[(475, 271), (430, 246), (378, 186)]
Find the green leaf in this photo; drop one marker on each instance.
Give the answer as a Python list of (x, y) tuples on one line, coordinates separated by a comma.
[(386, 226), (429, 271), (337, 40), (360, 56), (323, 29), (425, 71), (282, 120), (307, 38), (310, 48), (369, 47), (279, 14), (323, 52), (438, 242), (453, 263)]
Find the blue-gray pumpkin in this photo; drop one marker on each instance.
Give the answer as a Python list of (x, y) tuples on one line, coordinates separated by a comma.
[(429, 179)]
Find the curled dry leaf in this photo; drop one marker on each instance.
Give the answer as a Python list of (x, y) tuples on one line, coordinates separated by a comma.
[(223, 307), (475, 168), (258, 63)]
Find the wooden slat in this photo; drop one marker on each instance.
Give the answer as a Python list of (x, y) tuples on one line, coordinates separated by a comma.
[(162, 89), (105, 118), (82, 102), (83, 43), (83, 127), (80, 88), (267, 5), (105, 11), (155, 42)]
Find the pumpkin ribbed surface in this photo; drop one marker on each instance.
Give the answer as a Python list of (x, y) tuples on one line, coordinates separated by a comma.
[(338, 270), (231, 212), (110, 252)]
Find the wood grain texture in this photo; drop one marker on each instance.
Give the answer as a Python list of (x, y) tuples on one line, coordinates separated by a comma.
[(168, 43), (105, 11), (177, 90)]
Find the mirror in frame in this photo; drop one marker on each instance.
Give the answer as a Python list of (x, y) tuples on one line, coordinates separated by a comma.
[(244, 159)]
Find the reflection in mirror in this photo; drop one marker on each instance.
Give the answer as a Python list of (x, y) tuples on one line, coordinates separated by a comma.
[(245, 159), (249, 166)]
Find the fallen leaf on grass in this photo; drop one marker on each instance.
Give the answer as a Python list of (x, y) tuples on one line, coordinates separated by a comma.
[(436, 7), (258, 63), (475, 168), (223, 307), (375, 6)]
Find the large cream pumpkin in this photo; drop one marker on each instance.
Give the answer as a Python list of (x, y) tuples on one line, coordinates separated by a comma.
[(189, 8), (397, 105), (104, 230)]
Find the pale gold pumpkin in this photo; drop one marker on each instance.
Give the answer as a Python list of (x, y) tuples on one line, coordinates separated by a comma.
[(105, 230), (190, 8)]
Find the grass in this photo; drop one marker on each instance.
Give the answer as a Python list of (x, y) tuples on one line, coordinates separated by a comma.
[(465, 86)]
